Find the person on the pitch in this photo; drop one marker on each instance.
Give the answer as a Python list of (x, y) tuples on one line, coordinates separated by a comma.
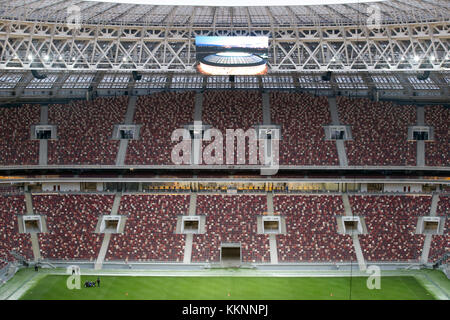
[(98, 282)]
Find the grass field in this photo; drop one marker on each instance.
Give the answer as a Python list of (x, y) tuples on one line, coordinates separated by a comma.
[(53, 287)]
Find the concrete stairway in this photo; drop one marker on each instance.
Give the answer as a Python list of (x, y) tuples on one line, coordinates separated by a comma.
[(342, 153), (355, 238), (34, 236), (107, 236), (272, 237), (188, 248), (333, 111), (189, 237), (347, 208), (429, 237), (266, 109), (197, 142), (123, 144), (420, 155), (129, 116), (359, 253), (103, 251), (340, 146), (43, 144), (198, 108)]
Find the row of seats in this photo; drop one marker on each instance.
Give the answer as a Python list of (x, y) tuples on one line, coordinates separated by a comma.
[(233, 110), (71, 223), (311, 231), (149, 233), (301, 117), (380, 132), (159, 114), (391, 224), (84, 130), (16, 147), (10, 239), (231, 219), (441, 244), (437, 151)]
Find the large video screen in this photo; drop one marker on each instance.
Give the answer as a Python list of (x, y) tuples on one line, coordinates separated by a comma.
[(232, 55)]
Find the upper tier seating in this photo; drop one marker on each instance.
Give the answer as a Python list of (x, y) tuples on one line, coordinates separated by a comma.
[(16, 147), (380, 132), (232, 110), (437, 152), (159, 114), (301, 117), (85, 131)]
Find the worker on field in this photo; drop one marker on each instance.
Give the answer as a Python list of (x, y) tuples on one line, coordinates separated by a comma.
[(98, 282)]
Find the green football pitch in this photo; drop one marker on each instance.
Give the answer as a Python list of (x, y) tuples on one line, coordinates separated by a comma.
[(53, 287)]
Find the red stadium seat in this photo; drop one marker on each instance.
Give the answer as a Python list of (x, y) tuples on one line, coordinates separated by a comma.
[(311, 230), (71, 222), (149, 233), (85, 130), (380, 132), (231, 218)]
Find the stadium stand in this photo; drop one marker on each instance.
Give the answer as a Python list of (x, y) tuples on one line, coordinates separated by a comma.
[(85, 131), (380, 132), (232, 110), (437, 151), (231, 219), (71, 222), (10, 239), (301, 117), (441, 244), (159, 114), (391, 224), (149, 233), (311, 230), (16, 148)]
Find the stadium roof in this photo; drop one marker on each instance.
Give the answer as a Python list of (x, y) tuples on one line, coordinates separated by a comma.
[(237, 3), (123, 37), (96, 12)]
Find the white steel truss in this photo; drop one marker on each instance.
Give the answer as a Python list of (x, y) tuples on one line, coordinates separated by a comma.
[(57, 47)]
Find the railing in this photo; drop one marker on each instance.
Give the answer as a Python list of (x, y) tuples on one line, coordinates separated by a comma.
[(19, 257), (8, 272), (442, 260)]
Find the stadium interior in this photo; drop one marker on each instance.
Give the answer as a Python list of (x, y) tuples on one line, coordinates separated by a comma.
[(338, 158)]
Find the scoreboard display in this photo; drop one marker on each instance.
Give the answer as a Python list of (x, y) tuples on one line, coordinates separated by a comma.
[(232, 55)]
